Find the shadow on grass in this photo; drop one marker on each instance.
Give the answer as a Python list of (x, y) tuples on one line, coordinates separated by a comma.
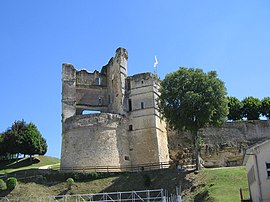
[(13, 164), (33, 175), (4, 193), (167, 179), (62, 194)]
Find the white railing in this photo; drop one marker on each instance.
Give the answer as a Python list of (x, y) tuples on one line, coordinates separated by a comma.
[(129, 196)]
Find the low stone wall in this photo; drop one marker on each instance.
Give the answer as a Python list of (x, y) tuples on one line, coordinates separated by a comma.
[(222, 146)]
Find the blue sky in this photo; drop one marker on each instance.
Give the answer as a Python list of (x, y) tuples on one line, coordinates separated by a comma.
[(231, 37)]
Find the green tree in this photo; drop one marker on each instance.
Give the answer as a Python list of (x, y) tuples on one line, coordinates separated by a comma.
[(33, 142), (23, 138), (13, 137), (190, 99), (3, 152), (265, 107), (251, 108), (235, 109)]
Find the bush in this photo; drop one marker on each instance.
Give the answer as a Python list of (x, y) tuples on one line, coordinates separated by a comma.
[(3, 185), (70, 182), (11, 183)]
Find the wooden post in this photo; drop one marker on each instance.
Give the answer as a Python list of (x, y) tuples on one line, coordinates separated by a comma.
[(241, 194)]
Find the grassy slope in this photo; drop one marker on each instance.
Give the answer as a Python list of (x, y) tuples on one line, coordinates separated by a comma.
[(209, 185), (24, 164), (226, 183)]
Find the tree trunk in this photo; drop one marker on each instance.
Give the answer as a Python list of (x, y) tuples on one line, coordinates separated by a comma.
[(17, 157), (197, 147)]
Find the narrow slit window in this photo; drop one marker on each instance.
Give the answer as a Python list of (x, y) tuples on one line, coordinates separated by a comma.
[(129, 105), (100, 101), (142, 105), (128, 85), (268, 169)]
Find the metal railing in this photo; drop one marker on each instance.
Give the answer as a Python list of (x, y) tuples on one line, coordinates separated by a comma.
[(129, 196)]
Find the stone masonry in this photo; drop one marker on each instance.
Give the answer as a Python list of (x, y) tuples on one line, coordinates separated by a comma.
[(126, 132)]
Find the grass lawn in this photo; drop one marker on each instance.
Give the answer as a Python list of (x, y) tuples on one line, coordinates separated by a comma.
[(224, 184)]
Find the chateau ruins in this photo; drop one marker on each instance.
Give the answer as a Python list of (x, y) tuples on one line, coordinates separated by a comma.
[(127, 133)]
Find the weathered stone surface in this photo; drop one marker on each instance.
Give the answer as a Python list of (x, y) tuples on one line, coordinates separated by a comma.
[(222, 146)]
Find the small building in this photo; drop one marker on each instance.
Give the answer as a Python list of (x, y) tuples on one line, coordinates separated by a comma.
[(257, 162)]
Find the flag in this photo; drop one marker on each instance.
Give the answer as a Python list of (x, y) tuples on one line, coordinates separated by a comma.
[(155, 62)]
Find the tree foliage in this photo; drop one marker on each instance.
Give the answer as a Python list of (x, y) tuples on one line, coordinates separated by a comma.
[(265, 107), (251, 108), (235, 109), (22, 138), (3, 185), (190, 99)]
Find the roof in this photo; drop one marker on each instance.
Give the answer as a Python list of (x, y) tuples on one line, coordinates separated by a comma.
[(250, 150)]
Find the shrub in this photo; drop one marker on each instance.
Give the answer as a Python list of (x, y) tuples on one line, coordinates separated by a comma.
[(3, 185), (70, 182), (11, 183)]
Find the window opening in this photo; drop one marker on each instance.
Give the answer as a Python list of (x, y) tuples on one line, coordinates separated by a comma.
[(100, 101), (128, 85), (98, 81), (142, 105), (142, 82), (129, 105), (268, 169), (86, 111), (126, 158), (130, 127)]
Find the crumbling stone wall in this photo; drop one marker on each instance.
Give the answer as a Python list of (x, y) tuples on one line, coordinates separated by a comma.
[(222, 146)]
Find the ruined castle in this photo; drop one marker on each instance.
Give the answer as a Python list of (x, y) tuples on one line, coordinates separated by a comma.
[(126, 134)]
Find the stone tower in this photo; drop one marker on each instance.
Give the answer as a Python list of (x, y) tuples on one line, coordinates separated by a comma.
[(116, 73), (126, 134), (147, 131)]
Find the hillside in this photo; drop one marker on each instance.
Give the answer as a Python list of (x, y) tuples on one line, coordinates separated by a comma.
[(208, 185)]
